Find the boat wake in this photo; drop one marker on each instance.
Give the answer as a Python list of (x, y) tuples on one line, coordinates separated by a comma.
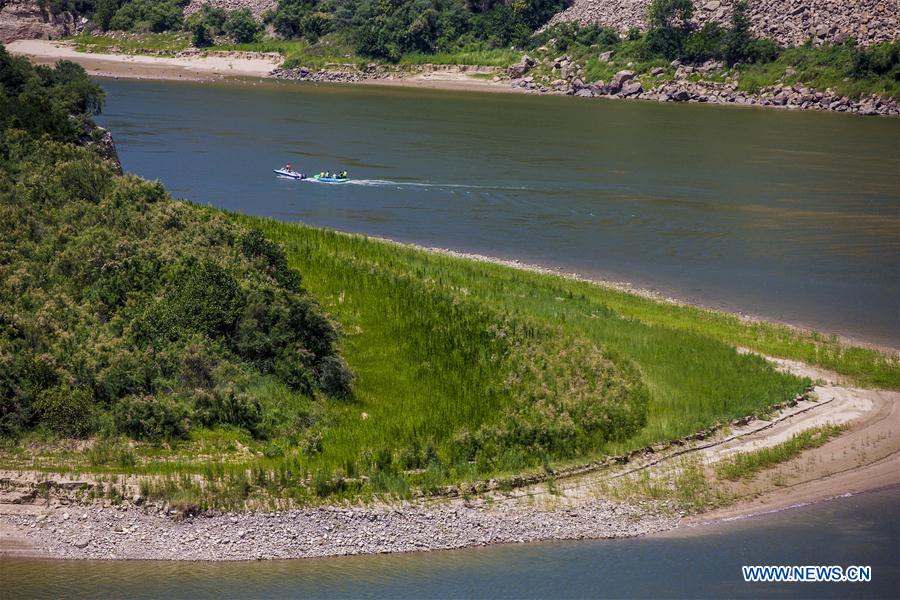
[(417, 184)]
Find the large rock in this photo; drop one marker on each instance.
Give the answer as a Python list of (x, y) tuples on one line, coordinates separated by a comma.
[(632, 89), (523, 66), (26, 20), (623, 76), (620, 79)]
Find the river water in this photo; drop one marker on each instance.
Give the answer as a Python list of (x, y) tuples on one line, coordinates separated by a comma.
[(703, 562), (790, 216)]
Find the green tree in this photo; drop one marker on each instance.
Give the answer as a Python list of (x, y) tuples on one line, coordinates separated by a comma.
[(668, 24), (241, 27), (739, 42)]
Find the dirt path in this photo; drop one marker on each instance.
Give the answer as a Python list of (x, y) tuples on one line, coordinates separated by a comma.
[(865, 457)]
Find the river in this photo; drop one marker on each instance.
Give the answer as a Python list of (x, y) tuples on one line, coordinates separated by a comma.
[(793, 216), (702, 562)]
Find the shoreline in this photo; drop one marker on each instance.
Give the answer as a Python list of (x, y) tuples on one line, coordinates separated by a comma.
[(637, 290), (214, 66), (578, 506), (52, 516)]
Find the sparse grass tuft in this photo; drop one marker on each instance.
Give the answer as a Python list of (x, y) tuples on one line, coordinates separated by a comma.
[(747, 464)]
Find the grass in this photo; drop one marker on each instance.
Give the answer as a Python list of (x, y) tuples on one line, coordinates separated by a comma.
[(500, 57), (164, 44), (817, 67), (431, 340), (747, 464), (822, 67)]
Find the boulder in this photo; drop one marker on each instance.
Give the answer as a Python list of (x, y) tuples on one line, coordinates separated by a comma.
[(680, 96), (621, 78), (657, 71), (83, 541), (523, 66), (585, 93), (600, 88), (605, 56), (26, 20), (632, 88)]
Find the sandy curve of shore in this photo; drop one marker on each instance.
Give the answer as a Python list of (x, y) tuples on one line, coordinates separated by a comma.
[(217, 66), (864, 458), (135, 66)]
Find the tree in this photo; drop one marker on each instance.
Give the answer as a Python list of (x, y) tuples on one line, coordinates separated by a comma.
[(739, 45), (201, 34), (668, 26), (241, 26)]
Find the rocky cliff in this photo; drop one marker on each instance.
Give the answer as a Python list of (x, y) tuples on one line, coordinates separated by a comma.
[(257, 7), (789, 22), (24, 19)]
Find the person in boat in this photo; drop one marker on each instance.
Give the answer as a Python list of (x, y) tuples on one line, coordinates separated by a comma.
[(287, 167), (343, 175)]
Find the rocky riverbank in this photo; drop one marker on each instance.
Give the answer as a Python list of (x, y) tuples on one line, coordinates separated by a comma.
[(707, 83), (150, 533), (788, 22)]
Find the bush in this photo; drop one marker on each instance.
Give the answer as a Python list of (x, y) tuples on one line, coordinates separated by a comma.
[(704, 44), (152, 417), (148, 15), (668, 23), (201, 35), (229, 406), (334, 377), (67, 411), (241, 27), (129, 308), (878, 60)]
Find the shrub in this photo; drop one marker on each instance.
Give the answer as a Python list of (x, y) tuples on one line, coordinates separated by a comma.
[(334, 376), (241, 27), (705, 44), (201, 34), (228, 406), (67, 411), (877, 60), (668, 24), (148, 15), (111, 452), (152, 417)]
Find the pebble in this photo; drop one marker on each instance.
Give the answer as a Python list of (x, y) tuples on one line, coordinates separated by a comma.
[(329, 531)]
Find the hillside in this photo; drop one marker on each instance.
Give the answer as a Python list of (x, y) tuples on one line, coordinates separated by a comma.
[(124, 312), (789, 23)]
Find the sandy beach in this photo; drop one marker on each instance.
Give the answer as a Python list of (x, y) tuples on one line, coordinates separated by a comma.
[(218, 66), (135, 66)]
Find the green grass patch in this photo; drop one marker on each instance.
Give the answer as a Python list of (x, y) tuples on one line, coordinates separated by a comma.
[(820, 67), (165, 44), (747, 464), (497, 57)]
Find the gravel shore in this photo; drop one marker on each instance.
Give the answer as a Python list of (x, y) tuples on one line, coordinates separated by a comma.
[(147, 533)]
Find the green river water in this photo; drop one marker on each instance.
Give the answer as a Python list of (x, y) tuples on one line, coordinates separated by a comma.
[(793, 216)]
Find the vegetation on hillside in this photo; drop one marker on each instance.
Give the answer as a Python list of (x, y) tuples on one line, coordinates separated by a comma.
[(846, 68), (122, 311), (314, 33), (130, 316)]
